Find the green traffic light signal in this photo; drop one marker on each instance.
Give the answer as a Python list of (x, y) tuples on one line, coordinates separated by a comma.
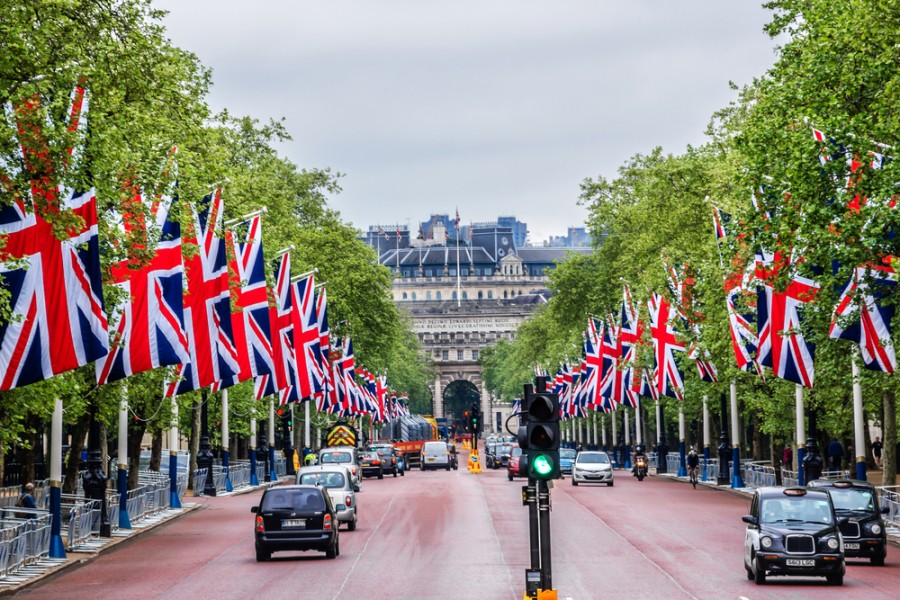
[(542, 465)]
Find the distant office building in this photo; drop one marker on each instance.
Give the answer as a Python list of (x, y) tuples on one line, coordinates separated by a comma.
[(576, 237)]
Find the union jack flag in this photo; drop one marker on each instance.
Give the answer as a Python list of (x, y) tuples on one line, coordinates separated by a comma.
[(323, 399), (207, 303), (381, 397), (609, 352), (669, 380), (306, 339), (250, 324), (593, 363), (150, 329), (781, 343), (859, 317), (58, 320), (281, 337), (630, 333)]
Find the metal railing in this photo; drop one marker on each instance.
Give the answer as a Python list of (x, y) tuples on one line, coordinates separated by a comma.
[(23, 539), (890, 499), (709, 469), (757, 474), (673, 462), (199, 481), (789, 478)]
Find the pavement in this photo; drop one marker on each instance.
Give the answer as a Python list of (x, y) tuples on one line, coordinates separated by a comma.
[(48, 567)]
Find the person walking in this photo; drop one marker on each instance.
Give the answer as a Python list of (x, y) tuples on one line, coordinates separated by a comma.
[(787, 457), (835, 455), (26, 500), (876, 451)]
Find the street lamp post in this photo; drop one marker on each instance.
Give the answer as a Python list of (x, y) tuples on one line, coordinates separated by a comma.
[(205, 455), (94, 481)]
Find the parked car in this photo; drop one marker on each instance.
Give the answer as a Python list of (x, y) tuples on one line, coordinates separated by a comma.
[(343, 455), (339, 483), (863, 531), (295, 517), (566, 460), (592, 467), (517, 465), (370, 464), (436, 455), (793, 531)]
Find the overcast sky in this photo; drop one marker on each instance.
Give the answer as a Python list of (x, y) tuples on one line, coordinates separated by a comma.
[(494, 107)]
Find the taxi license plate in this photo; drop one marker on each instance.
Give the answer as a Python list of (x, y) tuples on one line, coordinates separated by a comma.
[(296, 523), (851, 546), (801, 562), (430, 459)]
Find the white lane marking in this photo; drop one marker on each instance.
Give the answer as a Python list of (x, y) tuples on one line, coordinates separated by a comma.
[(743, 598), (365, 547)]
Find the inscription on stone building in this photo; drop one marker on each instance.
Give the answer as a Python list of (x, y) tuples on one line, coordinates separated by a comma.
[(459, 324)]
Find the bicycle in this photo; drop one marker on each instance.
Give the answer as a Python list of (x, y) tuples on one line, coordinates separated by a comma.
[(692, 473)]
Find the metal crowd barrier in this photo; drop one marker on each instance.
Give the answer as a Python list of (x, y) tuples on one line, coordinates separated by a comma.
[(890, 499), (757, 474), (709, 469), (651, 460), (789, 478), (23, 540), (78, 517), (673, 462), (199, 481)]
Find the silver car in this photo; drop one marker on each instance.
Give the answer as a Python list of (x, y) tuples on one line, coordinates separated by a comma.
[(346, 456), (338, 482), (592, 467)]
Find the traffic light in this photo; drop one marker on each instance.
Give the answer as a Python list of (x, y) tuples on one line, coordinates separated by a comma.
[(541, 431)]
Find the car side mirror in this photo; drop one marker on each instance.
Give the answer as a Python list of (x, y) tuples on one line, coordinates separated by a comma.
[(254, 509), (749, 519)]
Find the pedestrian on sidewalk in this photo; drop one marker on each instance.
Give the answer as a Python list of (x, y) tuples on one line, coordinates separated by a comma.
[(787, 457), (835, 455), (876, 451), (26, 500)]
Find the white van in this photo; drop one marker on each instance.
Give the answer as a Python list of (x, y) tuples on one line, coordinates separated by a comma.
[(435, 455)]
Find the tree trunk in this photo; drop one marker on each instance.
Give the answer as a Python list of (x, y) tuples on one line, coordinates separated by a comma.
[(33, 423), (2, 466), (73, 460), (195, 443), (889, 452), (156, 451), (104, 449), (135, 435)]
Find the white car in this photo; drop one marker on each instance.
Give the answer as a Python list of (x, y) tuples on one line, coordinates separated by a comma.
[(346, 456), (436, 455), (338, 482), (592, 467)]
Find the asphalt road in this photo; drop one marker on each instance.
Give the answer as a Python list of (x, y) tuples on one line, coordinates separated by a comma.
[(440, 535)]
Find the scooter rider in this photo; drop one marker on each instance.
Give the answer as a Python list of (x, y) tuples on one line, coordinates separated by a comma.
[(638, 454)]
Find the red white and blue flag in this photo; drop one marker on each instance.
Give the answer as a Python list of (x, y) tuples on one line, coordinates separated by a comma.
[(669, 381), (323, 400), (58, 320), (859, 316), (309, 377), (207, 308), (782, 346), (250, 323), (281, 337), (150, 330)]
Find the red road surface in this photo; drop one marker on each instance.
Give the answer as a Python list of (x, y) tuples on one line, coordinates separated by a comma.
[(454, 535)]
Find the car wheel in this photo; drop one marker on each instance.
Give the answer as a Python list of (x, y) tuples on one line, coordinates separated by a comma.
[(355, 488), (878, 561), (836, 579), (575, 483), (262, 556), (610, 484), (351, 526), (448, 467), (509, 475), (749, 572), (380, 475), (395, 471), (403, 473), (760, 573), (332, 551)]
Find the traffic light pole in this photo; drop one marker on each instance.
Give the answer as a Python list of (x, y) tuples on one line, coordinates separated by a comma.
[(543, 509), (531, 498)]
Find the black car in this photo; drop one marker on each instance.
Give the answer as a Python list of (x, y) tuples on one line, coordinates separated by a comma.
[(371, 464), (793, 531), (295, 517), (499, 456), (388, 459), (863, 530)]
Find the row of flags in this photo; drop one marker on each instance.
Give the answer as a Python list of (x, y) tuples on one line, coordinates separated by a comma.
[(765, 321), (177, 290)]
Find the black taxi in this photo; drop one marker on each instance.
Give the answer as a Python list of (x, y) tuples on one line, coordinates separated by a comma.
[(793, 531), (863, 529), (295, 517)]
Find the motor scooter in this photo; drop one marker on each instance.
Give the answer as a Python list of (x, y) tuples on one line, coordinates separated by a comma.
[(640, 467)]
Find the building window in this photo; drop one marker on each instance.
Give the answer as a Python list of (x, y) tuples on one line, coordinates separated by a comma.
[(428, 295), (438, 295), (454, 295), (520, 292), (474, 354), (452, 271), (480, 294), (490, 294), (505, 295), (413, 295), (445, 355), (407, 272), (404, 295), (429, 273), (464, 271), (460, 355), (465, 295)]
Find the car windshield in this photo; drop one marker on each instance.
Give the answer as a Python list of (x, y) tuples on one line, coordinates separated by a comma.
[(796, 509), (853, 499), (334, 457), (504, 450), (293, 500), (594, 458), (329, 479), (567, 453), (517, 451)]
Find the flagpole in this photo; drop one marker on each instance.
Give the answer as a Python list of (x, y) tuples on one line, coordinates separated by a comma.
[(247, 217), (859, 440), (122, 481), (800, 431), (57, 548), (306, 431), (706, 437), (174, 500), (458, 293), (254, 478), (225, 440), (736, 481), (297, 278)]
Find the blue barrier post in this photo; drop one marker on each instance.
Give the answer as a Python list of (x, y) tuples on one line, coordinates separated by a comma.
[(226, 436), (122, 477), (174, 500), (705, 474), (682, 466), (801, 454), (736, 481), (122, 486)]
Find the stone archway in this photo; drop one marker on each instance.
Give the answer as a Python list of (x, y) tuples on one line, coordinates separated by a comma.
[(458, 397)]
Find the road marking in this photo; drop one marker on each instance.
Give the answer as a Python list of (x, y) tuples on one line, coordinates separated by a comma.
[(365, 547), (743, 598)]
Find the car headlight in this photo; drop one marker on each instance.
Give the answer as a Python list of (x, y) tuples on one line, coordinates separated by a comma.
[(765, 542), (833, 543), (875, 528)]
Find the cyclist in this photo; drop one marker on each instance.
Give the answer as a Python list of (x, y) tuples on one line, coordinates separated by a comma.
[(693, 463)]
